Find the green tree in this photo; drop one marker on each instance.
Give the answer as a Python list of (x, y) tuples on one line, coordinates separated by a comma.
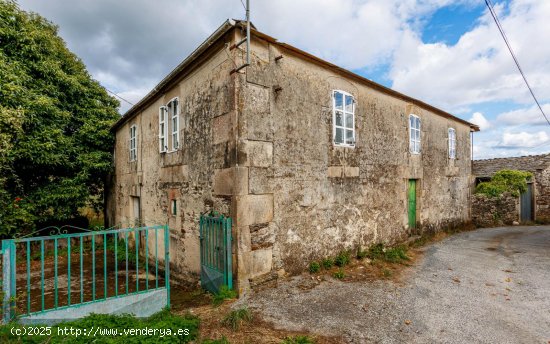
[(55, 120), (512, 181)]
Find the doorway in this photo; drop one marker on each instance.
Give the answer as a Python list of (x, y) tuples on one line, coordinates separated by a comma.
[(412, 203)]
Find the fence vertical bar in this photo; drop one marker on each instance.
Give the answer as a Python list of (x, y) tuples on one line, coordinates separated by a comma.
[(93, 267), (126, 236), (136, 235), (229, 252), (105, 265), (55, 271), (146, 259), (156, 259), (28, 277), (167, 263), (116, 263), (13, 270), (42, 271), (81, 274), (69, 271), (6, 283)]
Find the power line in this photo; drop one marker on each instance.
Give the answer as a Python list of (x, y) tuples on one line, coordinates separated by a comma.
[(497, 21), (119, 97)]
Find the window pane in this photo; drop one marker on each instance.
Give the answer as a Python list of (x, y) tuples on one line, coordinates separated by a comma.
[(349, 103), (349, 137), (339, 120), (418, 123), (338, 100), (339, 136), (411, 122), (349, 121)]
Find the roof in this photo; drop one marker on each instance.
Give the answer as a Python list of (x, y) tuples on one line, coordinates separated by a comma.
[(488, 167), (230, 24)]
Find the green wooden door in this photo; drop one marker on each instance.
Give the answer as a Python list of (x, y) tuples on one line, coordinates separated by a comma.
[(412, 203)]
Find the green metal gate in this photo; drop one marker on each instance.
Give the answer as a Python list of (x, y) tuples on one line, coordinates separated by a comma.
[(215, 252), (82, 269), (412, 203)]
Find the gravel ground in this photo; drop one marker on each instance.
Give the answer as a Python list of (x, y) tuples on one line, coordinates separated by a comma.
[(485, 286)]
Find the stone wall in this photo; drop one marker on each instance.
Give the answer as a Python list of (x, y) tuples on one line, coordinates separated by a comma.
[(539, 165), (494, 211)]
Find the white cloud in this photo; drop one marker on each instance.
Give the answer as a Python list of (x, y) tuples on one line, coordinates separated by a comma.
[(479, 68), (525, 116), (523, 139), (480, 120)]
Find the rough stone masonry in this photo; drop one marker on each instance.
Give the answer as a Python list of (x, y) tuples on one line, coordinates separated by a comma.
[(259, 146)]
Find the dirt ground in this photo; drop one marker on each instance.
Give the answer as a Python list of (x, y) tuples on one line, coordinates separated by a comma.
[(484, 286)]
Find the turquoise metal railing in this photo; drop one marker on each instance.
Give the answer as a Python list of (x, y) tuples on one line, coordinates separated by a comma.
[(39, 272)]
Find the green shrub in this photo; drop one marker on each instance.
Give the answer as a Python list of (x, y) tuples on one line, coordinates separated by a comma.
[(327, 263), (361, 254), (298, 340), (223, 294), (512, 181), (395, 254), (314, 267), (234, 319), (342, 259), (339, 274)]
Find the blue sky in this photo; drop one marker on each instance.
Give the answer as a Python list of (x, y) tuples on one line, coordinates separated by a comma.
[(445, 52)]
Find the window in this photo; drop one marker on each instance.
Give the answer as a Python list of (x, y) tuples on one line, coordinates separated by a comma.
[(414, 134), (452, 143), (133, 143), (169, 121), (174, 207), (163, 145), (343, 109)]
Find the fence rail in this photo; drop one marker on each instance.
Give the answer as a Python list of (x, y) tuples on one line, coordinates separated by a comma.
[(48, 273)]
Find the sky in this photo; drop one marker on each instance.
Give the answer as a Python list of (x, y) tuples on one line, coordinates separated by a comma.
[(448, 53)]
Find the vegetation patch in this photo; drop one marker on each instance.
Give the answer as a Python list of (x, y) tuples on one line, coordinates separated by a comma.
[(342, 259), (225, 293), (327, 263), (389, 254), (314, 267), (512, 181), (340, 274), (298, 340), (235, 318)]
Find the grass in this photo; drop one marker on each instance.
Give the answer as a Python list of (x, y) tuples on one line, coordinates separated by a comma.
[(235, 318), (340, 274), (342, 259), (314, 267), (224, 294), (222, 340), (163, 322), (327, 263), (298, 340), (396, 254)]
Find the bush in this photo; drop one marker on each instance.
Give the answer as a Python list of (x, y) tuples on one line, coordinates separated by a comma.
[(327, 263), (314, 267), (339, 274), (223, 294), (512, 181), (342, 259), (391, 254), (234, 319)]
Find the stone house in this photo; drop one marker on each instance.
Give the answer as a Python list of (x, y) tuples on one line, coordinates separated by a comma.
[(533, 205), (306, 157)]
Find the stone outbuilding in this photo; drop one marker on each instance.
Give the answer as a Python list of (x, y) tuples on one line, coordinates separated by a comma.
[(533, 205), (307, 158)]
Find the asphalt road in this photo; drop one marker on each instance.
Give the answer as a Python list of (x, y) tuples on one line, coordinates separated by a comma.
[(486, 286)]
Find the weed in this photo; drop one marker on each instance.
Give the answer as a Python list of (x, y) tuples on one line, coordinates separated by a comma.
[(222, 340), (376, 251), (361, 254), (386, 273), (298, 340), (396, 254), (342, 259), (339, 274), (314, 267), (327, 263), (223, 294), (234, 319)]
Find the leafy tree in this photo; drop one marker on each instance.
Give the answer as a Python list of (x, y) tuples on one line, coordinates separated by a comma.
[(55, 139), (512, 181)]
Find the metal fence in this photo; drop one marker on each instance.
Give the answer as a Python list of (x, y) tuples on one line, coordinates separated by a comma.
[(46, 273), (215, 252)]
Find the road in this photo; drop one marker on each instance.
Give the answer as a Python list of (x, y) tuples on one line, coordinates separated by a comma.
[(485, 286)]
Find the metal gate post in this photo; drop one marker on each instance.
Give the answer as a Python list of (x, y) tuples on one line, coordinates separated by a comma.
[(167, 263), (8, 279), (228, 252)]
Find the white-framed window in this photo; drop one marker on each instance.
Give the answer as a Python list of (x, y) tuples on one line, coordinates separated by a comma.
[(133, 143), (414, 134), (343, 118), (452, 143), (163, 129), (169, 122)]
